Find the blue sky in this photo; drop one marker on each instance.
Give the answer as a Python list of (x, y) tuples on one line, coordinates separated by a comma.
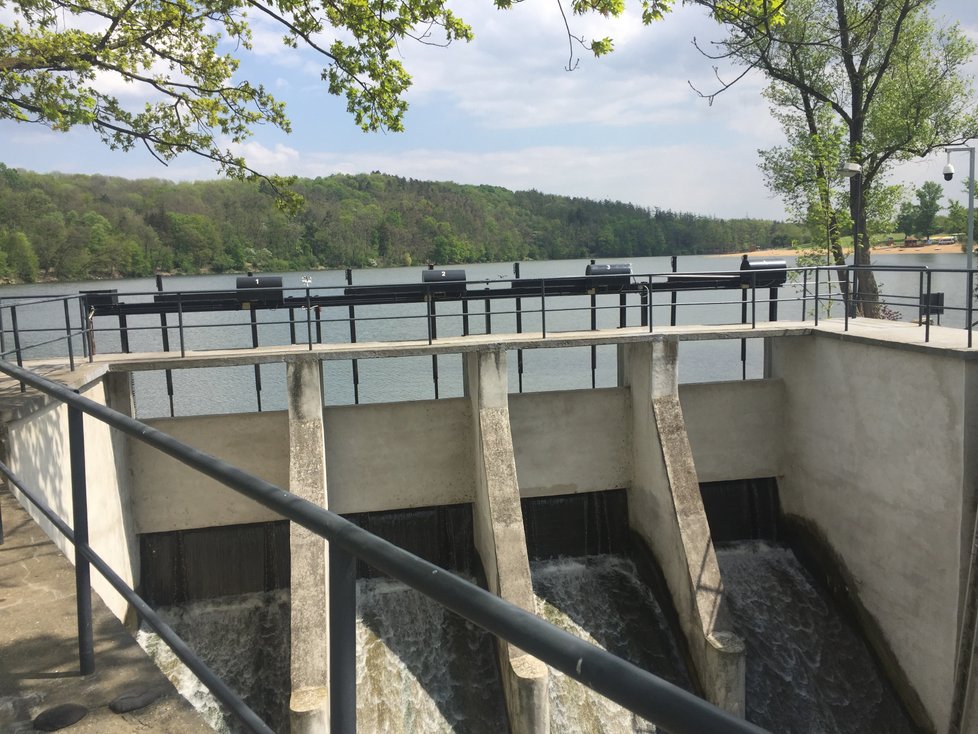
[(502, 110)]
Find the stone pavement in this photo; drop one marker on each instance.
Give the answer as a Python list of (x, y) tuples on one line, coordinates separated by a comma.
[(39, 649)]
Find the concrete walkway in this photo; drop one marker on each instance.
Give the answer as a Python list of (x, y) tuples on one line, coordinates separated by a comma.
[(39, 649)]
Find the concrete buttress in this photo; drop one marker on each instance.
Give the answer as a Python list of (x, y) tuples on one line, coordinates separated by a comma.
[(309, 702), (499, 536), (666, 510)]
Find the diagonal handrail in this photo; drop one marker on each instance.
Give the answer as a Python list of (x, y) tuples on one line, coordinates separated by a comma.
[(643, 693)]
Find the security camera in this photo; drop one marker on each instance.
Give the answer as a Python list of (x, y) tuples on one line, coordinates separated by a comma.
[(948, 172)]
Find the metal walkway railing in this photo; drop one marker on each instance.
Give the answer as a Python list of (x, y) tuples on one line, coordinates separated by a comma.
[(32, 327), (643, 693)]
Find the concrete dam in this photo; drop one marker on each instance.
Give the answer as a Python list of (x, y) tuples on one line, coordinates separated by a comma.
[(855, 452)]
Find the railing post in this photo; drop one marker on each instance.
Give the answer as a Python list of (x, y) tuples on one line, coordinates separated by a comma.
[(291, 325), (353, 340), (308, 319), (488, 314), (168, 374), (651, 305), (84, 330), (672, 295), (920, 297), (123, 333), (594, 327), (17, 352), (183, 345), (519, 329), (342, 641), (3, 338), (743, 320), (644, 305), (970, 307), (927, 316), (79, 506), (254, 345), (753, 300), (543, 307), (817, 271), (432, 335), (71, 350), (90, 332), (847, 299), (804, 293)]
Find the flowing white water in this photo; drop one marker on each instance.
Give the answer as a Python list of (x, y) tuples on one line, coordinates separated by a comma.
[(601, 599), (421, 668), (807, 669), (244, 640)]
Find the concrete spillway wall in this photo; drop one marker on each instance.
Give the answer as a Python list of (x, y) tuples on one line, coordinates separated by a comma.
[(37, 448), (873, 442), (379, 457), (879, 455)]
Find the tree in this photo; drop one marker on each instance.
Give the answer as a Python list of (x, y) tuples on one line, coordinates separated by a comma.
[(20, 256), (803, 171), (907, 218), (880, 69), (60, 59), (928, 205)]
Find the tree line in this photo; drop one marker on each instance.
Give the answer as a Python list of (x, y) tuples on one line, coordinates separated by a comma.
[(923, 217), (72, 227)]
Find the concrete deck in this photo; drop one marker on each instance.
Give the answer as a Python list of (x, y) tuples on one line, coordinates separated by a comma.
[(39, 648), (899, 334)]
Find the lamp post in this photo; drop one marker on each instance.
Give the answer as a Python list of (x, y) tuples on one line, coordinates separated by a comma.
[(948, 175), (854, 170)]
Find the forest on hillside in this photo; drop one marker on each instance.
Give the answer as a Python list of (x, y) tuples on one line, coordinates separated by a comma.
[(72, 227)]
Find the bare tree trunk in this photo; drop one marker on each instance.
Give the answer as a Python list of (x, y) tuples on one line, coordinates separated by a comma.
[(866, 291)]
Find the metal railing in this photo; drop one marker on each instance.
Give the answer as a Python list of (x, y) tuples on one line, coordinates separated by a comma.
[(639, 691), (545, 311)]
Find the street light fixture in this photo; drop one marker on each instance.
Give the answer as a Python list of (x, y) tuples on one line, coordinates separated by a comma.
[(854, 170), (969, 247)]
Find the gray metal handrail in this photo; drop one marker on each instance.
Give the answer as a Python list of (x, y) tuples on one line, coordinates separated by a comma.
[(641, 692)]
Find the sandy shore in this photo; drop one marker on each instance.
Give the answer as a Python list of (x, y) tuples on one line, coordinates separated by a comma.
[(878, 250)]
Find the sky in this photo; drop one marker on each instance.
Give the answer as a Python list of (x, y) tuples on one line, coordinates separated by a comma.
[(503, 110)]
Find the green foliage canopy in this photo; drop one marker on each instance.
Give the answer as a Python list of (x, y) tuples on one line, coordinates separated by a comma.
[(868, 81), (928, 205)]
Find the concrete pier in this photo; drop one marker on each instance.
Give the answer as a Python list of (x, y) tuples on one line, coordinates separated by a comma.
[(309, 705), (499, 536), (666, 510)]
